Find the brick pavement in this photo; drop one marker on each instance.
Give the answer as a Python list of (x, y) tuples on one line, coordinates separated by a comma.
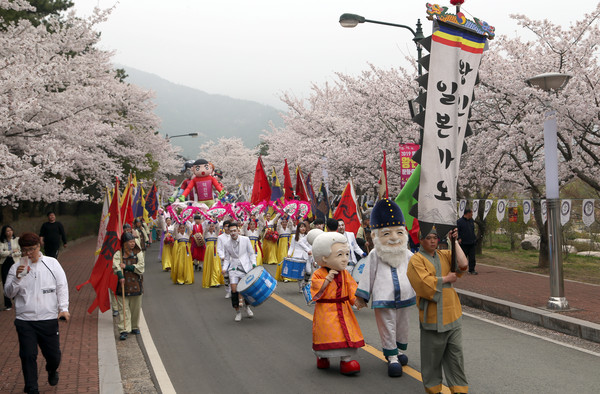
[(78, 338), (532, 290)]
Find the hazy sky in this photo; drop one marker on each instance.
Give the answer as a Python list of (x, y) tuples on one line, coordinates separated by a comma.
[(257, 49)]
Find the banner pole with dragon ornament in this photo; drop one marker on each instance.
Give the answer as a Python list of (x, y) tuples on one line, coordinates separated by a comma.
[(455, 51)]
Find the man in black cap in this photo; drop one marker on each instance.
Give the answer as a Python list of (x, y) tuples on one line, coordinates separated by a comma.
[(385, 283), (430, 274)]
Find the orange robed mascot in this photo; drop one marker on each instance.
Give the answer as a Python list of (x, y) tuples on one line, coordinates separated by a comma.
[(203, 183), (335, 329)]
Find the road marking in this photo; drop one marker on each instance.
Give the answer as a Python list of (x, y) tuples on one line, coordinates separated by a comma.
[(368, 348), (532, 334), (162, 377)]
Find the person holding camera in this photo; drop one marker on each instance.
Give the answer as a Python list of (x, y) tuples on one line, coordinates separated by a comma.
[(40, 291)]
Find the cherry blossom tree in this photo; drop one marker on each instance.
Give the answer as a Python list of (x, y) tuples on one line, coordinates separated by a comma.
[(506, 154), (67, 124), (231, 156), (349, 123)]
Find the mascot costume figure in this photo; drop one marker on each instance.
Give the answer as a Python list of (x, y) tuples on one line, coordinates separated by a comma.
[(335, 329), (385, 283), (202, 183)]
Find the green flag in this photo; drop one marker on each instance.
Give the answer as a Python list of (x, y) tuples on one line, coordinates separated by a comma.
[(406, 200)]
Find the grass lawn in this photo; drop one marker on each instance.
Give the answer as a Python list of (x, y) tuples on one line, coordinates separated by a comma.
[(583, 269)]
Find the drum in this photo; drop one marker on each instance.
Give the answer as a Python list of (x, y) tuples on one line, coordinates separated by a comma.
[(306, 292), (257, 285), (293, 268), (358, 269)]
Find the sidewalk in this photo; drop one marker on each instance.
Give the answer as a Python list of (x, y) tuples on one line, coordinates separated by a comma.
[(523, 296), (78, 338)]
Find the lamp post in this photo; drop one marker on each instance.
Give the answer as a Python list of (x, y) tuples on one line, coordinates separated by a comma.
[(352, 20), (553, 82), (182, 135)]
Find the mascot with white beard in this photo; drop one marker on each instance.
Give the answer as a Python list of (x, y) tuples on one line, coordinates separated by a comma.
[(385, 283)]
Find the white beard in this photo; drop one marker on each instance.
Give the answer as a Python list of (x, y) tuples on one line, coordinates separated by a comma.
[(392, 254)]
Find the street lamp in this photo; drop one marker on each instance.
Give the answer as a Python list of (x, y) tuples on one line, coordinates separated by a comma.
[(182, 135), (352, 20), (553, 82)]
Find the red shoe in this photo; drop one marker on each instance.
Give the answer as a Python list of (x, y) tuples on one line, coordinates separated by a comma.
[(349, 367), (322, 363)]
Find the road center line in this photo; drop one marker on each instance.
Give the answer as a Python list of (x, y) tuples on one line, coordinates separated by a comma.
[(368, 348)]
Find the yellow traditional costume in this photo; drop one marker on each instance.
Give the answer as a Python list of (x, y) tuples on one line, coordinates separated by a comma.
[(167, 253), (211, 273), (283, 246), (182, 271)]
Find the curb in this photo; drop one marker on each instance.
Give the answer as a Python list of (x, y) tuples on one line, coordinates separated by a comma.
[(540, 317), (109, 373)]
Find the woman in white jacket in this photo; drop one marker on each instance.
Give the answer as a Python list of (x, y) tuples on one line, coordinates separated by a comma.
[(300, 249), (10, 251)]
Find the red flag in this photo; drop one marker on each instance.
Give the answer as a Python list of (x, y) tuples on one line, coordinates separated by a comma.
[(383, 183), (103, 277), (347, 209), (301, 186), (152, 202), (261, 191), (288, 189)]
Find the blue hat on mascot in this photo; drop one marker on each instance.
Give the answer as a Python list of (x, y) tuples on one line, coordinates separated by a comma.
[(386, 213)]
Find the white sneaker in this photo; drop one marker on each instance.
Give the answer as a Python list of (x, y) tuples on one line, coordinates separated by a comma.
[(238, 316), (249, 312), (227, 295)]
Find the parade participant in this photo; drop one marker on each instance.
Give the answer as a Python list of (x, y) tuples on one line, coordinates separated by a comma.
[(268, 243), (51, 235), (318, 224), (335, 329), (354, 248), (211, 273), (182, 271), (239, 260), (168, 245), (143, 234), (385, 283), (430, 274), (364, 232), (285, 228), (222, 239), (128, 264), (300, 249), (9, 252), (198, 244), (39, 287), (251, 231), (203, 183)]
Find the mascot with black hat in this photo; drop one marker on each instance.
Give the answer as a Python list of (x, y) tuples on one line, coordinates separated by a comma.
[(385, 283)]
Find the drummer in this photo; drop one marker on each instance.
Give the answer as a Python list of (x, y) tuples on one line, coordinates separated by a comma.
[(300, 249), (239, 260)]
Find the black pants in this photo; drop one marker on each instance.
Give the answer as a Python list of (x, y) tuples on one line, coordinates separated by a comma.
[(31, 334), (5, 267), (51, 250), (469, 251)]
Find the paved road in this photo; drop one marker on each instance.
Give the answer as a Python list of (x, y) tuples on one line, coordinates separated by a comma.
[(203, 349)]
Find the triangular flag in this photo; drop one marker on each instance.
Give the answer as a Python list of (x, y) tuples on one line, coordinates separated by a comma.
[(288, 189), (406, 200), (261, 191), (276, 192), (347, 209)]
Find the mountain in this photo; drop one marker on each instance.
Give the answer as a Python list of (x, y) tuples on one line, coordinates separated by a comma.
[(185, 110)]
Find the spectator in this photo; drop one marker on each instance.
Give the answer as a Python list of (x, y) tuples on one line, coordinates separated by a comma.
[(9, 252), (41, 296), (467, 238), (51, 234)]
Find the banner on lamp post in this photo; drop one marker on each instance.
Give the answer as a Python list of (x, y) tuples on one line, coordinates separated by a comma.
[(461, 208), (587, 212), (475, 208), (486, 208), (565, 212), (526, 211), (407, 164), (500, 210), (544, 211)]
